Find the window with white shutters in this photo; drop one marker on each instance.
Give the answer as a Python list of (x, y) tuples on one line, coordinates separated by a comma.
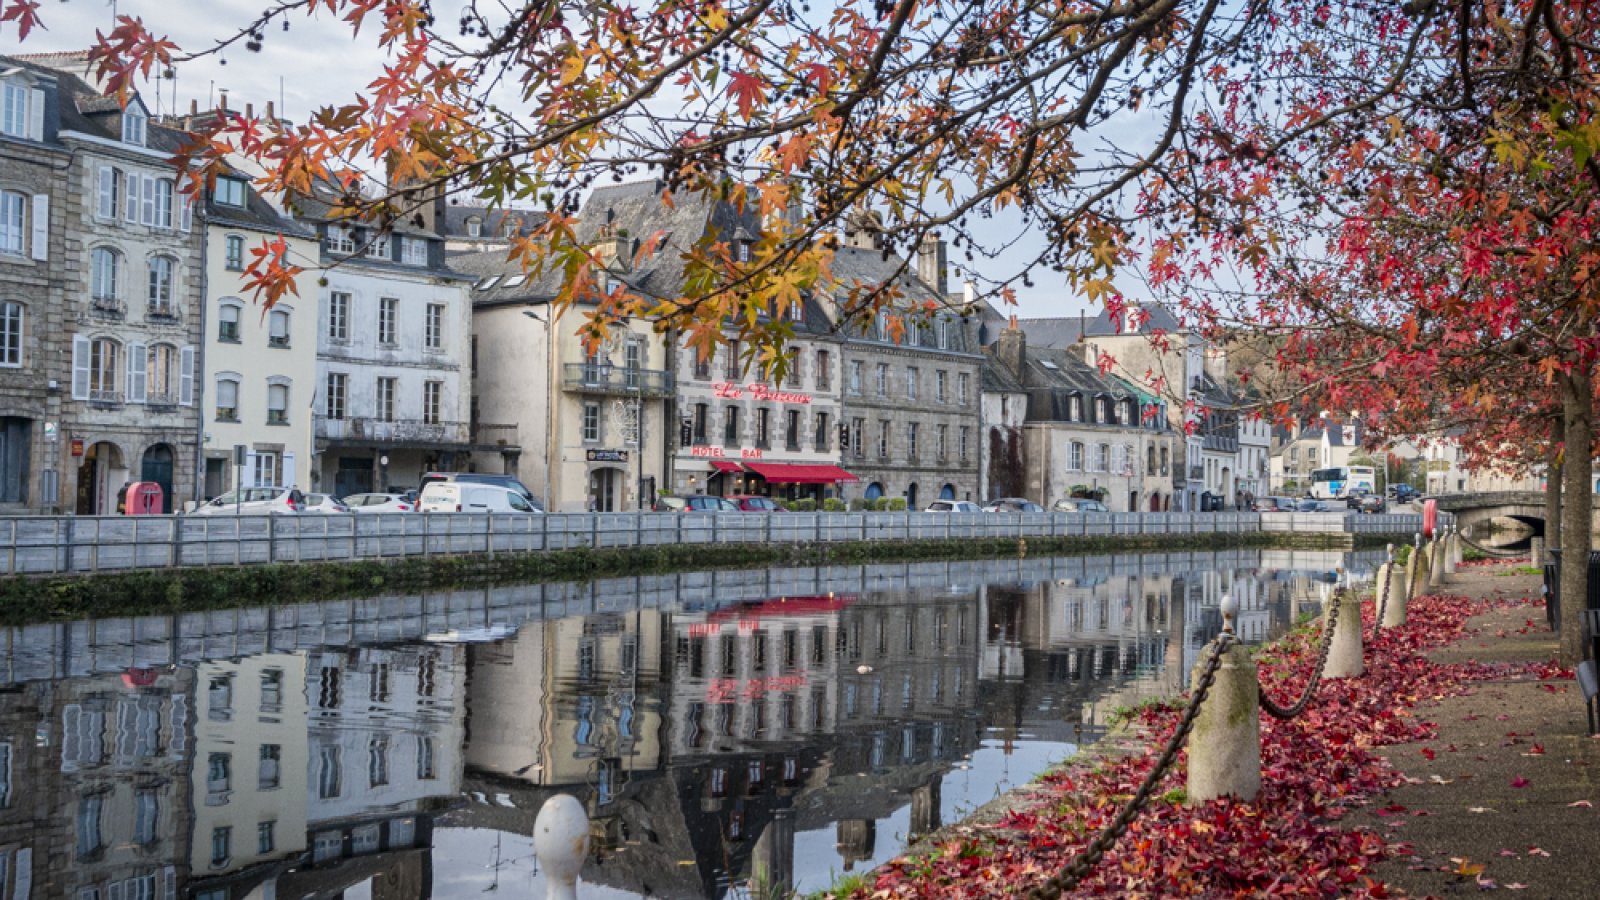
[(110, 192), (14, 110), (130, 197), (13, 222), (186, 376), (162, 375), (147, 200), (137, 381), (163, 211), (160, 286), (103, 358), (10, 335), (105, 274)]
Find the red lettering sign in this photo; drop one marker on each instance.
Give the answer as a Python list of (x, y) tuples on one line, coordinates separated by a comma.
[(727, 389), (705, 451), (750, 452), (762, 392), (704, 630)]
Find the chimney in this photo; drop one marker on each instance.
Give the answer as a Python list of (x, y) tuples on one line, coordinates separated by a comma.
[(1217, 363), (931, 262), (863, 230), (249, 110), (1012, 350), (271, 112), (222, 103), (194, 107), (612, 250)]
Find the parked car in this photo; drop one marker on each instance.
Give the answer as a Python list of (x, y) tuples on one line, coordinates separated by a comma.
[(1012, 505), (1272, 504), (324, 504), (462, 496), (1403, 493), (1352, 500), (754, 503), (953, 506), (378, 503), (1311, 506), (481, 478), (1372, 504), (694, 503), (256, 501), (1076, 504)]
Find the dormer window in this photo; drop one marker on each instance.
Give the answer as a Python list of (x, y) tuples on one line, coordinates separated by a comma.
[(474, 227), (230, 192), (132, 128), (14, 109), (340, 240)]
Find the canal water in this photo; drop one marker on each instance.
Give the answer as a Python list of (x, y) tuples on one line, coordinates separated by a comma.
[(728, 732)]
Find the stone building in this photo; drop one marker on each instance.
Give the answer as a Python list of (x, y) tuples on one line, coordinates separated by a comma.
[(1088, 435), (475, 229), (132, 285), (1002, 467), (34, 206), (911, 408)]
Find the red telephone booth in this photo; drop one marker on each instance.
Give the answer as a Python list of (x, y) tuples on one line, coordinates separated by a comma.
[(144, 499)]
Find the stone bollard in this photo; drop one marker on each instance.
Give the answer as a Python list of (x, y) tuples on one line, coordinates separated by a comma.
[(1225, 745), (561, 841), (1452, 552), (1436, 562), (1414, 572), (1346, 658), (1394, 610)]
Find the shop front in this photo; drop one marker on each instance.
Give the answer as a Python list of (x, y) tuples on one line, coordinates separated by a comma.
[(795, 481)]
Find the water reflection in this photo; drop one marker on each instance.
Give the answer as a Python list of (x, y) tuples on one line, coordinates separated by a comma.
[(734, 731)]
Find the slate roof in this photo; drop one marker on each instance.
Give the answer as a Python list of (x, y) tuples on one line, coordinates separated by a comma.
[(454, 221), (319, 206), (257, 214), (995, 378), (84, 109), (1065, 331)]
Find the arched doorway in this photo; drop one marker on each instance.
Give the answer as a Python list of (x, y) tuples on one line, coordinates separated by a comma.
[(101, 474), (874, 491), (948, 492), (605, 490), (157, 467), (911, 497), (1155, 503), (1227, 488)]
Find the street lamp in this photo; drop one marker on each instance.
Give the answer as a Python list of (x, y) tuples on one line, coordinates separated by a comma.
[(549, 402)]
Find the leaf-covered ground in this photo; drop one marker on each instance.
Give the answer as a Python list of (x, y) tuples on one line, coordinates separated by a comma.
[(1287, 842)]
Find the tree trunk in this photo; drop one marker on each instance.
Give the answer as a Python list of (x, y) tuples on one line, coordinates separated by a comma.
[(1577, 405), (1552, 488)]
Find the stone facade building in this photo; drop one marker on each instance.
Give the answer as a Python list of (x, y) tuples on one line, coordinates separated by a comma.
[(911, 407)]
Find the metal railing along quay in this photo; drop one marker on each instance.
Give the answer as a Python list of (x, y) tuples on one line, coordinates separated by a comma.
[(76, 544)]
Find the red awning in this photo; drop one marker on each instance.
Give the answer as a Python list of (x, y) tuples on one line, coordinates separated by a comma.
[(722, 465), (797, 474)]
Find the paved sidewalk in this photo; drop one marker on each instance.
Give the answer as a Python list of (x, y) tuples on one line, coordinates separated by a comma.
[(1510, 783)]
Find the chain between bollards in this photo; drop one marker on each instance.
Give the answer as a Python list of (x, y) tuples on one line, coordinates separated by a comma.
[(1085, 861), (1330, 626)]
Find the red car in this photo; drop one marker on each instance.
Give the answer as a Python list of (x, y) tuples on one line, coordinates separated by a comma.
[(753, 503)]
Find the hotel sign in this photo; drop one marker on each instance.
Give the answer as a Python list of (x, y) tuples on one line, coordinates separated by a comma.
[(719, 453), (731, 391)]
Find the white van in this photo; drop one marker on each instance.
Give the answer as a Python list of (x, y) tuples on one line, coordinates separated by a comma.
[(464, 496)]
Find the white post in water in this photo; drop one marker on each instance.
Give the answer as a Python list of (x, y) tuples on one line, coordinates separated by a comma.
[(1346, 655), (561, 841), (1225, 746)]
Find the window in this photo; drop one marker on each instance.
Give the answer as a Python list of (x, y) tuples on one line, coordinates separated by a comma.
[(858, 436), (388, 320), (1102, 457), (911, 440), (146, 816), (1102, 411), (227, 400), (103, 371), (277, 404), (941, 331), (1119, 459), (474, 227), (883, 440), (340, 239), (414, 251), (266, 471), (266, 842), (221, 846), (425, 767), (229, 192), (964, 433), (161, 215), (433, 337), (911, 384), (432, 401), (14, 115), (855, 378), (329, 773), (386, 391), (13, 216), (941, 386), (824, 370), (339, 316), (10, 335), (219, 774), (378, 760), (5, 775), (161, 375), (702, 366), (1075, 458), (89, 809), (822, 432), (160, 293), (732, 370), (271, 691), (338, 385), (110, 193), (1075, 409), (883, 379), (763, 424), (267, 774), (330, 688), (591, 422), (228, 323), (378, 247), (730, 427), (132, 128), (791, 428), (105, 273), (233, 255), (278, 328), (944, 441)]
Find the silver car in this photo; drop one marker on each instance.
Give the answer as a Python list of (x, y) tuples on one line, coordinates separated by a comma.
[(379, 503), (324, 504), (953, 506), (255, 501)]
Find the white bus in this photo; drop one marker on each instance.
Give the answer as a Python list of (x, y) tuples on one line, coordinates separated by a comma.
[(1336, 484)]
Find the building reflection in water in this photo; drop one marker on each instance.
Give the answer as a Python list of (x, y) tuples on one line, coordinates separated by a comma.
[(722, 729)]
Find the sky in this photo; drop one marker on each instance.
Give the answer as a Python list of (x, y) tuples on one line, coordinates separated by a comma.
[(318, 63)]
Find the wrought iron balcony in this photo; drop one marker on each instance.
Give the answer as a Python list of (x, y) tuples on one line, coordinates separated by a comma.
[(584, 378), (399, 431), (485, 435)]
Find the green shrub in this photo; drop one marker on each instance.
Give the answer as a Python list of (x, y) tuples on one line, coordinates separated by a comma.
[(833, 504), (898, 504), (858, 505), (785, 504), (1469, 554), (805, 505), (880, 505)]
